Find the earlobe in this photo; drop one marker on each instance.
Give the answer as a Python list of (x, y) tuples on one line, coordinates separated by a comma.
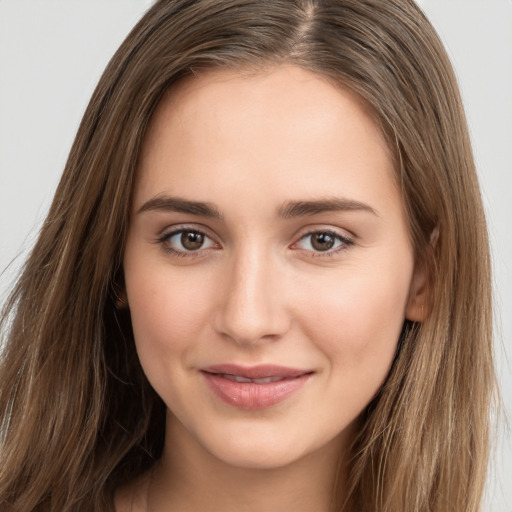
[(417, 308), (418, 304), (121, 301), (120, 298)]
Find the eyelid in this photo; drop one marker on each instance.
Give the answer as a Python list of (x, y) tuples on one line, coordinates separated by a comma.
[(324, 227), (344, 236), (346, 240), (172, 231), (184, 226)]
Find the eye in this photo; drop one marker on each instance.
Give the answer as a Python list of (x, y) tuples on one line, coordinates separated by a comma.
[(183, 241), (328, 242)]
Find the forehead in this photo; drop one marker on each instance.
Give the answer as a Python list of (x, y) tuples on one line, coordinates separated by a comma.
[(290, 88), (282, 127)]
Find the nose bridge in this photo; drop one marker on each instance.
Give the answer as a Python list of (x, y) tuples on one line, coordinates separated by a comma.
[(251, 308)]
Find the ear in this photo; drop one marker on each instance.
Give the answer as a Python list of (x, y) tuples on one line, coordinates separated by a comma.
[(120, 298), (417, 308), (418, 304)]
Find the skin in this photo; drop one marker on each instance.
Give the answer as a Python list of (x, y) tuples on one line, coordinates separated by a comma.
[(258, 291)]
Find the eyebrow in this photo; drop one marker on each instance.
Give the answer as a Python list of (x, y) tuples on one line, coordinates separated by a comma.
[(289, 210), (177, 204), (293, 209)]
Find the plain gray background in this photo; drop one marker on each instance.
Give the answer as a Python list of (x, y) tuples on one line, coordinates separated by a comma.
[(52, 53)]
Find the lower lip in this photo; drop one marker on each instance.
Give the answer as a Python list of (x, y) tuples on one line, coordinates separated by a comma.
[(253, 396)]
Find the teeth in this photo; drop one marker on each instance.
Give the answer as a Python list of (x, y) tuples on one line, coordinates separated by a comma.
[(267, 379), (238, 378)]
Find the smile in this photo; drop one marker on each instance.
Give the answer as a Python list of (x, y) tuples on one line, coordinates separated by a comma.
[(254, 388), (238, 378)]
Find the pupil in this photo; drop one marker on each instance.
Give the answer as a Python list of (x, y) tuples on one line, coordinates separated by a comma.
[(192, 240), (323, 241)]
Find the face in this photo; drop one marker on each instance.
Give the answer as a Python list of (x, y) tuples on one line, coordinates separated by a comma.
[(268, 267)]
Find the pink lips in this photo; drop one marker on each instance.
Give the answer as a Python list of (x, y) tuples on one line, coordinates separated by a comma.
[(255, 387)]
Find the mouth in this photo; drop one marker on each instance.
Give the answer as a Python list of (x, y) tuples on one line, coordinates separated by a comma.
[(256, 387), (239, 378)]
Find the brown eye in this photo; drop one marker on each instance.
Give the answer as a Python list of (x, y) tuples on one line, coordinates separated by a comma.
[(322, 241), (184, 242), (328, 242), (192, 240)]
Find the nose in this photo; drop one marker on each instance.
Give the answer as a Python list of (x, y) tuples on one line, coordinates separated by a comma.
[(252, 304)]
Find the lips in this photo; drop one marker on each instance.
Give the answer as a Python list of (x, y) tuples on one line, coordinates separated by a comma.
[(238, 378), (256, 387)]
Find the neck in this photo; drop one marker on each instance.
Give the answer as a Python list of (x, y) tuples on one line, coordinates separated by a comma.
[(189, 478)]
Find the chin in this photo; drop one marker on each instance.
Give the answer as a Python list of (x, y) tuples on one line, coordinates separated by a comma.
[(257, 457), (254, 447)]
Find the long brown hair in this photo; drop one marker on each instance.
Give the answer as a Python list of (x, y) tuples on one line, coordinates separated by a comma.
[(78, 417)]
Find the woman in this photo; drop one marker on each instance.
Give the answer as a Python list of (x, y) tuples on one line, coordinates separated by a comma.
[(264, 279)]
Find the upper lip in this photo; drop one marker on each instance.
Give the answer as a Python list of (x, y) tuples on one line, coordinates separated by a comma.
[(256, 372)]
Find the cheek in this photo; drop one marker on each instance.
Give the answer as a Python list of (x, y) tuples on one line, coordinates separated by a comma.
[(356, 327), (357, 323), (168, 311)]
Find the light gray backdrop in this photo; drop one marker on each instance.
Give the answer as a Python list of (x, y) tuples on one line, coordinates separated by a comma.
[(52, 53)]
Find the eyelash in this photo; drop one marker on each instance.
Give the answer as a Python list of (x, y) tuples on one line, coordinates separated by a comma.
[(346, 242), (164, 239)]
